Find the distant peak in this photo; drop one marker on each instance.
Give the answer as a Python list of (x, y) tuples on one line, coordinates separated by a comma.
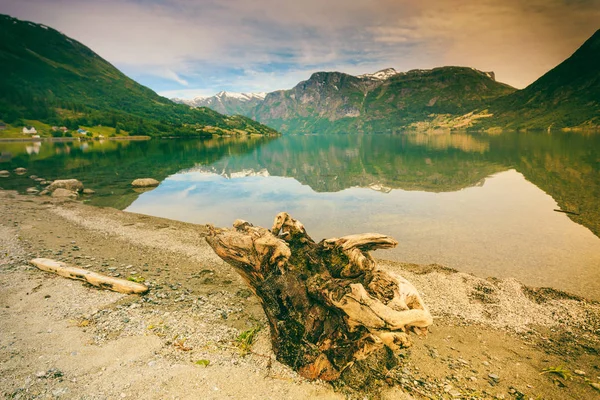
[(241, 96), (380, 75), (223, 95)]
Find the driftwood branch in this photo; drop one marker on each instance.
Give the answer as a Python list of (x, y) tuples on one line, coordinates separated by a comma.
[(333, 314), (93, 278)]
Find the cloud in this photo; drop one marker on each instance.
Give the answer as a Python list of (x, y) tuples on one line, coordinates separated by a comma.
[(262, 45), (520, 41), (172, 75), (246, 81), (187, 93)]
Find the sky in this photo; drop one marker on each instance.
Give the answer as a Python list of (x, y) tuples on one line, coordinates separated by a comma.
[(187, 48)]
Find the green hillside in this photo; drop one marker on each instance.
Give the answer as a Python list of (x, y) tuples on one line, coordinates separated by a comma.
[(331, 102), (46, 76), (417, 95), (567, 96)]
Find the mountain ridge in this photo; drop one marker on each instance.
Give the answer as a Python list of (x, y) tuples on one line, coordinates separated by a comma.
[(228, 103), (566, 96), (340, 102), (333, 101)]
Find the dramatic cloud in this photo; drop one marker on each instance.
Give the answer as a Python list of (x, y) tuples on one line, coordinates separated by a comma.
[(187, 47)]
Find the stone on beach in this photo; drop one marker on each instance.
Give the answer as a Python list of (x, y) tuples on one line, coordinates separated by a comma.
[(69, 184), (64, 193), (4, 174), (145, 182)]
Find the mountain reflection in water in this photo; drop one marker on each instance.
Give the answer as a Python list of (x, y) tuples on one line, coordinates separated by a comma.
[(479, 203)]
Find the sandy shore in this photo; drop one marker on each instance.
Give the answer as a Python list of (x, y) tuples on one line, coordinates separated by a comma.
[(61, 338)]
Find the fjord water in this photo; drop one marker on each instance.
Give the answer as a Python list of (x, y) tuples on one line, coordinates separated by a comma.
[(478, 203)]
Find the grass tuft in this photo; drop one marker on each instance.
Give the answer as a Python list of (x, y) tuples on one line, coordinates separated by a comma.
[(245, 339)]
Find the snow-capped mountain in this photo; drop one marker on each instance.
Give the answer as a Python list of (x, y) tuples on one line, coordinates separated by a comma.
[(380, 75), (229, 103)]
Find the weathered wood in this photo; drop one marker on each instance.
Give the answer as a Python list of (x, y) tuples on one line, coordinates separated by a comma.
[(93, 278), (333, 314)]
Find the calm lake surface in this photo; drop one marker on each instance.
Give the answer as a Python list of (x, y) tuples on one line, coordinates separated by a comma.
[(478, 203)]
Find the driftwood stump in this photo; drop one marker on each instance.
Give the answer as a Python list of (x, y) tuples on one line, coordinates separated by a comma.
[(333, 314)]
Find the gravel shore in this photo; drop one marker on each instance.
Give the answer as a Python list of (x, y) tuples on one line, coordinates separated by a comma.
[(64, 339)]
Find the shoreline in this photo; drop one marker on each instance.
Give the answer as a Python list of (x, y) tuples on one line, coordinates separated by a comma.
[(71, 139), (109, 345)]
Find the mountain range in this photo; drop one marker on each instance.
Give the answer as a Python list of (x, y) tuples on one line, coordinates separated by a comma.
[(338, 102), (47, 76), (229, 103), (568, 96)]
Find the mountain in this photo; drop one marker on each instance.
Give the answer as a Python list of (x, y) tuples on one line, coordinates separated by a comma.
[(228, 103), (47, 76), (380, 75), (381, 102), (447, 98), (566, 96)]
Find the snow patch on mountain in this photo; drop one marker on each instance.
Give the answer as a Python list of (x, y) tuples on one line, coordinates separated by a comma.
[(223, 95), (229, 103), (381, 75), (241, 96)]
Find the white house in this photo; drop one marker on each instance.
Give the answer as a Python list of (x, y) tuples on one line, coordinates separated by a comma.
[(29, 130)]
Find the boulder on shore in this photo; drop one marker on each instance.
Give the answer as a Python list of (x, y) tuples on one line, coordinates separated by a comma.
[(145, 182), (20, 171), (69, 184), (89, 191), (32, 190), (64, 193), (4, 174)]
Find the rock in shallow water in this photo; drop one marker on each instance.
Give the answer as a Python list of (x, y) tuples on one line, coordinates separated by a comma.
[(69, 184), (145, 182)]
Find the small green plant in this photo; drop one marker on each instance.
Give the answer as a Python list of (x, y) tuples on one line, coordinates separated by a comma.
[(136, 279), (204, 363), (245, 339), (560, 371)]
